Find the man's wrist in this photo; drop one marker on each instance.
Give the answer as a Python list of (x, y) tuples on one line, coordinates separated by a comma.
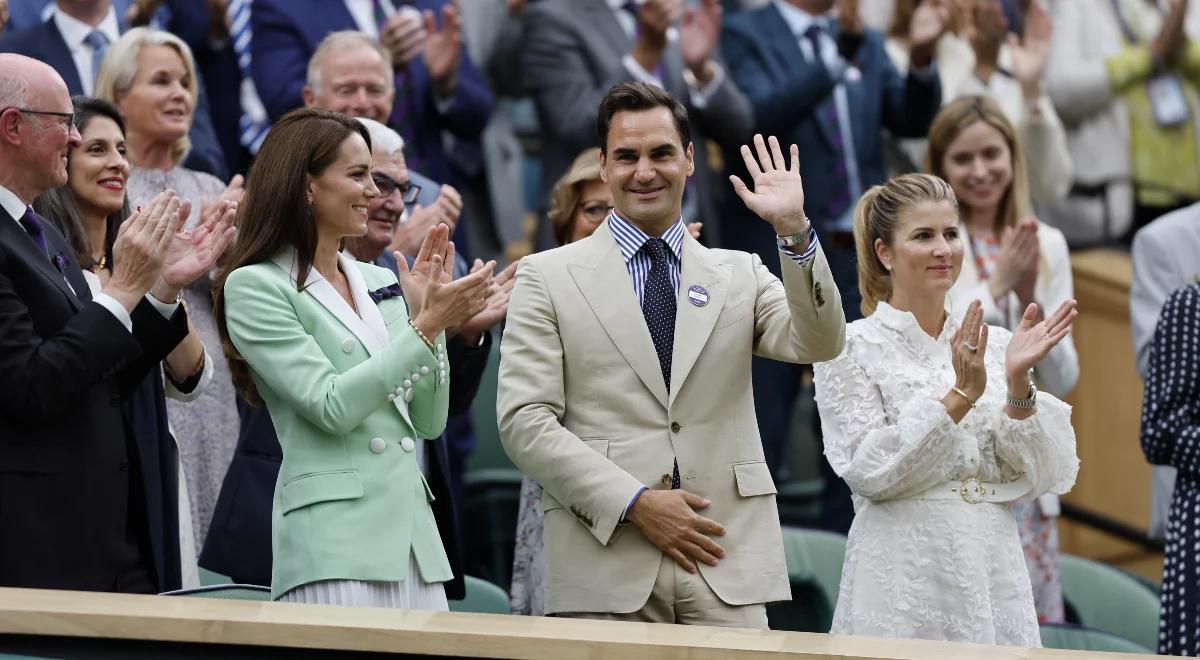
[(164, 293)]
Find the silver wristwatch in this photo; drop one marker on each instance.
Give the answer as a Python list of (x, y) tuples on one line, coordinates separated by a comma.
[(799, 238), (1025, 404)]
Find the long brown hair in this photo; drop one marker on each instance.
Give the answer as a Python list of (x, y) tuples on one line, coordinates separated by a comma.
[(958, 117), (274, 213)]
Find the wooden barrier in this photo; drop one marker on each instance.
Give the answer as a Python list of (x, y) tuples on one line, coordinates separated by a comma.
[(127, 626), (1114, 477)]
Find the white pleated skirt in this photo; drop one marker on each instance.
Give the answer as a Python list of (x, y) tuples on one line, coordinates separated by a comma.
[(412, 593)]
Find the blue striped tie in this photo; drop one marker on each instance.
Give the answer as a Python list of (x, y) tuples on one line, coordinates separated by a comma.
[(251, 130)]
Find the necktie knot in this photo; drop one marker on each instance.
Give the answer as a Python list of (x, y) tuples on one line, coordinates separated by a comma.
[(96, 40), (657, 249)]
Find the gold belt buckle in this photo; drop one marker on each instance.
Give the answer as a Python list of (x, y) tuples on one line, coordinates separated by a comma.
[(972, 491)]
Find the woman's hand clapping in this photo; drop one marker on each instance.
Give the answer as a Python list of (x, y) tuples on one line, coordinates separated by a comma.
[(435, 299), (967, 350)]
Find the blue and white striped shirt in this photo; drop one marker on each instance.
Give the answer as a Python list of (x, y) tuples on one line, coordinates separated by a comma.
[(630, 240)]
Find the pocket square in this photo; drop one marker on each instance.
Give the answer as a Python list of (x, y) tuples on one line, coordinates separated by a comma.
[(383, 293)]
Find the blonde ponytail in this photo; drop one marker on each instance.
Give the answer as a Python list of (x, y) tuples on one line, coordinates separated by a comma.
[(877, 216)]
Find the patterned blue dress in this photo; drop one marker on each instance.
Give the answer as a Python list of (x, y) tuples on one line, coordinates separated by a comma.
[(1171, 436)]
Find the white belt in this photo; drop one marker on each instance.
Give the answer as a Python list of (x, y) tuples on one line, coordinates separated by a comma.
[(974, 491)]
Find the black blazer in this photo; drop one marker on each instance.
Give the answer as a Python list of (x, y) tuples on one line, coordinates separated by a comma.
[(239, 539), (44, 42), (68, 461)]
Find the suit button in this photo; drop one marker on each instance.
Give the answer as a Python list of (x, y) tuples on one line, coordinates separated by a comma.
[(378, 445), (666, 480), (347, 345), (407, 444), (424, 370), (675, 427)]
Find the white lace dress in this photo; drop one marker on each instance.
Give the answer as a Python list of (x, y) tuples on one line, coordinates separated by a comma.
[(933, 569)]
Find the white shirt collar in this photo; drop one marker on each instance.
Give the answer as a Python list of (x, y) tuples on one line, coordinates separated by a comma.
[(12, 204), (797, 19), (617, 4), (75, 31)]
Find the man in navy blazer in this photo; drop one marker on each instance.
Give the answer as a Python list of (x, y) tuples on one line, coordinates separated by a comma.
[(45, 42), (286, 34), (842, 94)]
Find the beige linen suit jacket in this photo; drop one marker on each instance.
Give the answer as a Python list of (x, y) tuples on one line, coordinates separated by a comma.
[(583, 410)]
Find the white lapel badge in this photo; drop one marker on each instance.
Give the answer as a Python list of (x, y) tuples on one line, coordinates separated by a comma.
[(697, 295)]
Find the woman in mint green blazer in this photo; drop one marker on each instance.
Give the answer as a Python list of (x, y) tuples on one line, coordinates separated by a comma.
[(353, 377)]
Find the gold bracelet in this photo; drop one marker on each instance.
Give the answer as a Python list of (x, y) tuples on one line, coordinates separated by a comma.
[(420, 334), (963, 395)]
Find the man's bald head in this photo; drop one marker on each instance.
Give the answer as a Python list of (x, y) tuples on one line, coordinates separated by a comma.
[(22, 77), (35, 130)]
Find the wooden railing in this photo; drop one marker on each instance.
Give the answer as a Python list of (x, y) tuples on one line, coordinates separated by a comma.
[(80, 624), (1114, 477)]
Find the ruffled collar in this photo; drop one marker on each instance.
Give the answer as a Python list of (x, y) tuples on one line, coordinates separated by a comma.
[(905, 323)]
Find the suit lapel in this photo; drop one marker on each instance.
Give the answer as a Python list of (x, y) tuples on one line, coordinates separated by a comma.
[(370, 329), (608, 290), (58, 55), (320, 289), (786, 47), (694, 323), (25, 249)]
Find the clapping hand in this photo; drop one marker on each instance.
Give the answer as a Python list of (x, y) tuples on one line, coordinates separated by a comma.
[(778, 195), (928, 24), (1032, 340), (414, 281), (1019, 252), (417, 223), (443, 49), (141, 246), (699, 33), (449, 304), (193, 253), (403, 35), (1030, 54), (497, 304), (968, 347)]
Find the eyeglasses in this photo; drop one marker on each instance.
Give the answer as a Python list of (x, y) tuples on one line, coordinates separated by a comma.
[(596, 210), (67, 117), (387, 185)]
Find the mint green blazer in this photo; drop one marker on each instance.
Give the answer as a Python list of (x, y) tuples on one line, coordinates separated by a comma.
[(352, 396)]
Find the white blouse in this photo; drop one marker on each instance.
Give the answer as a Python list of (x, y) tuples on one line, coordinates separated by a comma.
[(933, 569)]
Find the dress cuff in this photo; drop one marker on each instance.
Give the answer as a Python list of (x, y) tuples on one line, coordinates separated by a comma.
[(117, 309), (699, 96), (166, 309), (625, 512)]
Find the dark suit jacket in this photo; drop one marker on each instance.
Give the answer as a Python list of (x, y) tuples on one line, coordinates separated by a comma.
[(287, 33), (573, 55), (785, 90), (68, 459), (239, 539), (44, 42)]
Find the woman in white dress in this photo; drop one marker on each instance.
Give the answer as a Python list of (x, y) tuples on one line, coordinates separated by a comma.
[(935, 426)]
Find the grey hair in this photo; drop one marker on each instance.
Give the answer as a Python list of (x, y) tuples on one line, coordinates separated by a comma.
[(120, 67), (340, 41), (384, 140), (14, 90)]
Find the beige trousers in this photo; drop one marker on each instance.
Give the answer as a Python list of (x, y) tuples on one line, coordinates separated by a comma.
[(685, 598)]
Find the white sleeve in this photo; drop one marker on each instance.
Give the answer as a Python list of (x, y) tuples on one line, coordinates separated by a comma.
[(881, 458)]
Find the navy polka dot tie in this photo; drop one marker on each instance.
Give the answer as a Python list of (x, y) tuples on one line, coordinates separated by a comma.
[(658, 306)]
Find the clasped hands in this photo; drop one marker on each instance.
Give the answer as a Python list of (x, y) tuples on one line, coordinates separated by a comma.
[(154, 254)]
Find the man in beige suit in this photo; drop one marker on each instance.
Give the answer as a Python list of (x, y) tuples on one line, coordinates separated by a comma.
[(625, 383)]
